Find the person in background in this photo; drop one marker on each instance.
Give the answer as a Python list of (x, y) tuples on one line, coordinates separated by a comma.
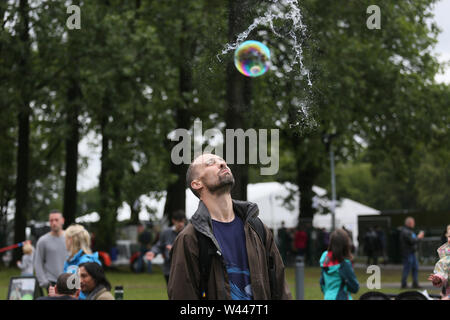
[(441, 273), (324, 239), (381, 236), (165, 242), (408, 245), (77, 243), (93, 282), (145, 241), (51, 252), (300, 241), (337, 279), (62, 290), (26, 265), (284, 240), (371, 246)]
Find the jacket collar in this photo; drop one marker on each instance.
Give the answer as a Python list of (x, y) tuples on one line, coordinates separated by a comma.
[(77, 256), (96, 292), (201, 220)]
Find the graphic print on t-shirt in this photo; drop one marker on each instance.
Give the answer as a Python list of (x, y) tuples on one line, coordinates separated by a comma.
[(231, 238)]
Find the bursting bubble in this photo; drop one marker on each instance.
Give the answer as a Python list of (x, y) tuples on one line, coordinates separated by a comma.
[(252, 58)]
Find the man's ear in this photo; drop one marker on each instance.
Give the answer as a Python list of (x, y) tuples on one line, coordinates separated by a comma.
[(196, 185)]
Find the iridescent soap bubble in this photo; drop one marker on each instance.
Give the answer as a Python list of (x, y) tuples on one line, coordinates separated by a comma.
[(252, 58)]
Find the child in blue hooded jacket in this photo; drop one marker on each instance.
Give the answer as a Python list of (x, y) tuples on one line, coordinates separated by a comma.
[(337, 278)]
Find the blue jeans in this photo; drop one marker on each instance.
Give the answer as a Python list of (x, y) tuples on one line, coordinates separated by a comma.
[(410, 263), (142, 262)]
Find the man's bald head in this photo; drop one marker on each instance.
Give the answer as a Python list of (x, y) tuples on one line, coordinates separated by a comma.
[(410, 222), (197, 167), (192, 173)]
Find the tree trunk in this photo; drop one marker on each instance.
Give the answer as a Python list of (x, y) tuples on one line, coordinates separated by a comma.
[(307, 173), (22, 198), (134, 217), (305, 183), (238, 100), (106, 225), (176, 191), (72, 139), (23, 152)]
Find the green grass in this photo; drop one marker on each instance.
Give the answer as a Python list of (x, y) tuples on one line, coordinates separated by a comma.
[(153, 286), (313, 292)]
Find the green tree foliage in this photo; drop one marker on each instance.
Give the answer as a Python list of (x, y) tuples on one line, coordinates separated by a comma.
[(373, 86), (137, 70)]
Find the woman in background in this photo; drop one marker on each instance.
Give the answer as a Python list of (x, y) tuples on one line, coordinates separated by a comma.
[(93, 282), (78, 243)]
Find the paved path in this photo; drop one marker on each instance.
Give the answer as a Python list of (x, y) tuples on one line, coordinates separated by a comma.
[(396, 285), (393, 267), (426, 285)]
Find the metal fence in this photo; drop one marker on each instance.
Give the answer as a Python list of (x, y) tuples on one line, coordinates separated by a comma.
[(426, 250)]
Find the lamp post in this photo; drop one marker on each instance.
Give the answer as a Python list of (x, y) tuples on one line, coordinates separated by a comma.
[(333, 190), (299, 278), (327, 139)]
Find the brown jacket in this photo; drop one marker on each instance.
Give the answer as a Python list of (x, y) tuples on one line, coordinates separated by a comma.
[(184, 280), (100, 293)]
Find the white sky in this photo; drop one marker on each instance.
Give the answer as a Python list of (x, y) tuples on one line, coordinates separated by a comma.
[(88, 178), (90, 147), (442, 15)]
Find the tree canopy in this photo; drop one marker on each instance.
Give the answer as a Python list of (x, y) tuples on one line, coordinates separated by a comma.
[(137, 70)]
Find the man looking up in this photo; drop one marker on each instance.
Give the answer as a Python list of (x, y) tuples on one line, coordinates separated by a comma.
[(245, 263)]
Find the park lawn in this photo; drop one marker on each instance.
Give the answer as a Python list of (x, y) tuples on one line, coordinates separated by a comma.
[(313, 291), (153, 286)]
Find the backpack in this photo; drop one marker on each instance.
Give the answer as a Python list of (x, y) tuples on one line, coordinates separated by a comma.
[(207, 250)]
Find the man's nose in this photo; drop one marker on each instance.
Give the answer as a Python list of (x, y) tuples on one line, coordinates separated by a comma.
[(222, 164)]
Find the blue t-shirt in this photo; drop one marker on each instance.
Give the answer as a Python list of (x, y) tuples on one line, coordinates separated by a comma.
[(231, 238)]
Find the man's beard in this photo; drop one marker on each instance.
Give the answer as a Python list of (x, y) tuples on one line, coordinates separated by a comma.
[(225, 184)]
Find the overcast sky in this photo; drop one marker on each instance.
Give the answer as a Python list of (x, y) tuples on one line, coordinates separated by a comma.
[(88, 178), (442, 17)]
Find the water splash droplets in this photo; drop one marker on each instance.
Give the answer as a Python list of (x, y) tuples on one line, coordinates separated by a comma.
[(286, 10)]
